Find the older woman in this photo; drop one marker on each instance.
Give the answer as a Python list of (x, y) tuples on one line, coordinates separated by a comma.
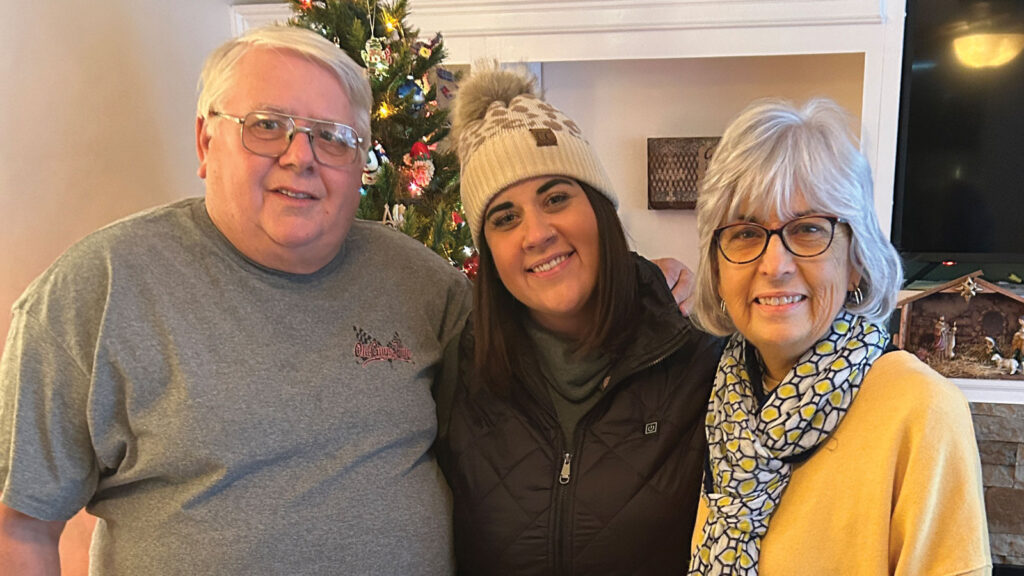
[(575, 442), (829, 453)]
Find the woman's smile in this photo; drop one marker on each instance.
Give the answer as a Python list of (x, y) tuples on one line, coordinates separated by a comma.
[(552, 265)]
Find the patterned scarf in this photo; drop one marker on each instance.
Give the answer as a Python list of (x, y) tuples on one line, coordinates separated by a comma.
[(752, 450)]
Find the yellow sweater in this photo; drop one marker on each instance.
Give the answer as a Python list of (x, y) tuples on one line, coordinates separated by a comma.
[(896, 490)]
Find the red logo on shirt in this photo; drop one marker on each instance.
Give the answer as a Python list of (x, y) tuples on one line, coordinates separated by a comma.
[(368, 349)]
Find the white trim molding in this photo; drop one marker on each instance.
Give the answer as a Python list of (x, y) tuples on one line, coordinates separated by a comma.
[(991, 391), (246, 16), (472, 18)]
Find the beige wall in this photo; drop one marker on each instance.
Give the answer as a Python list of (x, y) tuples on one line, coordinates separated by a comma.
[(619, 104), (97, 113)]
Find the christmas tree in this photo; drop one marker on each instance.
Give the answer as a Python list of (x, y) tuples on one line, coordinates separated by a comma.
[(409, 182)]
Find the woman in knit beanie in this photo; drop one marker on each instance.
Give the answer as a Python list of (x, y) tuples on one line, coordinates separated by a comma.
[(574, 442)]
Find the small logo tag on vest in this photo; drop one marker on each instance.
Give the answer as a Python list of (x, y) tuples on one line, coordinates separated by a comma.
[(544, 137), (651, 428)]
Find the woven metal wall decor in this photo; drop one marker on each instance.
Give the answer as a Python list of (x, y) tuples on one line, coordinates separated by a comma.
[(675, 167)]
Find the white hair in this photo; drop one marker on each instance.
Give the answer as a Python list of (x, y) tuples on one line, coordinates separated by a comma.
[(773, 153), (219, 69)]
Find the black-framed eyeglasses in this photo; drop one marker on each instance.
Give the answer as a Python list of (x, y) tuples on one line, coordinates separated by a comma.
[(806, 236), (270, 134)]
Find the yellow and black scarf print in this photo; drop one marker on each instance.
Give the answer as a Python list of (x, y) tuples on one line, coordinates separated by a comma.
[(751, 447)]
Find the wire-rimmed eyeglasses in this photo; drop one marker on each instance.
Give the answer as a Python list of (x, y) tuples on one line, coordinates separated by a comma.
[(270, 134), (806, 236)]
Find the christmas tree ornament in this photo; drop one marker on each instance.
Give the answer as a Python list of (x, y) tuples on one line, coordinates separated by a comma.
[(419, 150), (422, 166), (376, 56), (425, 49), (424, 84), (387, 220), (423, 172), (382, 157), (434, 43), (370, 169), (412, 89), (422, 49), (418, 174), (394, 216), (471, 265)]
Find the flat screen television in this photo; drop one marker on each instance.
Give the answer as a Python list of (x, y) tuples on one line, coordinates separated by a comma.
[(960, 157)]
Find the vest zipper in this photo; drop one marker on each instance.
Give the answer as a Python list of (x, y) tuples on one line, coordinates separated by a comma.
[(563, 523), (563, 477)]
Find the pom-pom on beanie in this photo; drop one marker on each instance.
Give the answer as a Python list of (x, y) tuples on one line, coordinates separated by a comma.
[(505, 133)]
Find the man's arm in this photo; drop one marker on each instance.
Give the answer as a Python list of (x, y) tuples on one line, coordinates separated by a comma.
[(680, 282), (28, 546)]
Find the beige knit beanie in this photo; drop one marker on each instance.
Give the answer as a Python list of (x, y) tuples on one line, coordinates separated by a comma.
[(505, 133)]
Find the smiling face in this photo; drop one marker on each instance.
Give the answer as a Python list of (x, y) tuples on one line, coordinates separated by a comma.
[(543, 238), (782, 303), (288, 213)]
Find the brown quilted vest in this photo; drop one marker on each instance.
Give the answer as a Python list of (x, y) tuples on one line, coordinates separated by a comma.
[(623, 498)]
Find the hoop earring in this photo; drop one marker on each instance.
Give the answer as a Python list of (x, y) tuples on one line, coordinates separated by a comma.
[(855, 296), (722, 304)]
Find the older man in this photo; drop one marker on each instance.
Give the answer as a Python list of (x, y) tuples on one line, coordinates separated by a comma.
[(239, 384)]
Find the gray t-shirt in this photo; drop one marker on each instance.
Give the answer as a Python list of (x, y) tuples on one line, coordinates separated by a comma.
[(223, 418)]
